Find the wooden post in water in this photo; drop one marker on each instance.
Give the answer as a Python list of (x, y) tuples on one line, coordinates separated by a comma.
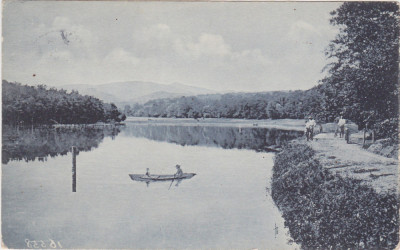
[(73, 150)]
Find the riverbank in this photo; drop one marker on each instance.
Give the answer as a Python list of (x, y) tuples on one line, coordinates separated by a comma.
[(94, 125), (283, 124), (329, 195)]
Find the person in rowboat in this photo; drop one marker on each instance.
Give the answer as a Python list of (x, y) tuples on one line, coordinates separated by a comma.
[(179, 172)]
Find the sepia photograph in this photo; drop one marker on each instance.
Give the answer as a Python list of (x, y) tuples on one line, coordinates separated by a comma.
[(200, 125)]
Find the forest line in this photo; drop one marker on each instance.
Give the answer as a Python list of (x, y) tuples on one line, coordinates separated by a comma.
[(29, 105)]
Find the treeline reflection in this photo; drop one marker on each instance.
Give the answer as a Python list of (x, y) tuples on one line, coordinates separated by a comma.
[(260, 139), (39, 143)]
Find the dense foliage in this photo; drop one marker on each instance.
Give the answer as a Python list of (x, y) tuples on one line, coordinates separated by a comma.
[(324, 211), (274, 105), (23, 104), (363, 79)]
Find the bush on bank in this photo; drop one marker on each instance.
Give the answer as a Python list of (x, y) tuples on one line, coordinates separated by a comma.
[(326, 211)]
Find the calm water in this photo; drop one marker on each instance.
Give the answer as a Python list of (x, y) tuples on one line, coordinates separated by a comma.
[(225, 206)]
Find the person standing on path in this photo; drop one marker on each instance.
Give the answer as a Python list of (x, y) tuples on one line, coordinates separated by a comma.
[(310, 128), (341, 124)]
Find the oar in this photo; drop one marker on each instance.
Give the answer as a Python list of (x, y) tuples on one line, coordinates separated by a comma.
[(171, 183)]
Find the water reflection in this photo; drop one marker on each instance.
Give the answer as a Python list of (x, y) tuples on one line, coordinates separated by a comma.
[(176, 184), (259, 139), (118, 213), (39, 143)]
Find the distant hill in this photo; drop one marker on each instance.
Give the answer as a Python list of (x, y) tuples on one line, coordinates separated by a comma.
[(122, 93)]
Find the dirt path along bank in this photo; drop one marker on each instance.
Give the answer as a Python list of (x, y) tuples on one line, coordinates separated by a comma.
[(351, 160)]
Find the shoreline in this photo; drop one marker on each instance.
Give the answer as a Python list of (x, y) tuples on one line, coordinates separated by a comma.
[(283, 124), (318, 202), (66, 125)]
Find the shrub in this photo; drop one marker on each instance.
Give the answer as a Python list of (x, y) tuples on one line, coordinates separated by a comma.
[(326, 211), (388, 128)]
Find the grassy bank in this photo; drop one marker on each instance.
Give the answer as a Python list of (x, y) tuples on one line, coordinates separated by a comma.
[(324, 211), (386, 147)]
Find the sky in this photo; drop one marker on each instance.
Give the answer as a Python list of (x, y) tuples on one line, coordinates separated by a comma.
[(235, 46)]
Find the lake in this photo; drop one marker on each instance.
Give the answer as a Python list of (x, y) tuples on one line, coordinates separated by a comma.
[(225, 205)]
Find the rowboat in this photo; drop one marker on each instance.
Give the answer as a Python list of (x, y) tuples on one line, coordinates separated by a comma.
[(141, 177)]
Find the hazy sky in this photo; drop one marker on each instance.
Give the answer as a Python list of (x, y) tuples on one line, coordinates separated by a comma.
[(221, 46)]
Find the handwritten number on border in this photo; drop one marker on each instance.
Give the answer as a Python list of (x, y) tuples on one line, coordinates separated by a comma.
[(43, 243)]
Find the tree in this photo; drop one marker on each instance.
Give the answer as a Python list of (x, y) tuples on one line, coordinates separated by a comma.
[(271, 110), (363, 79), (28, 105)]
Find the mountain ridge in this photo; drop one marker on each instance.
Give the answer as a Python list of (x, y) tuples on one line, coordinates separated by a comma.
[(130, 92)]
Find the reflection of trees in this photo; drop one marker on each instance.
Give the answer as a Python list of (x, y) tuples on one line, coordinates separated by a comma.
[(225, 137), (28, 144)]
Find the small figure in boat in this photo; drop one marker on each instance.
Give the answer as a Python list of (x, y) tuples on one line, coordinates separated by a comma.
[(179, 172), (147, 172)]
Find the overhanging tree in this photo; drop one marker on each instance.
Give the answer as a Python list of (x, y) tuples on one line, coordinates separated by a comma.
[(365, 71)]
